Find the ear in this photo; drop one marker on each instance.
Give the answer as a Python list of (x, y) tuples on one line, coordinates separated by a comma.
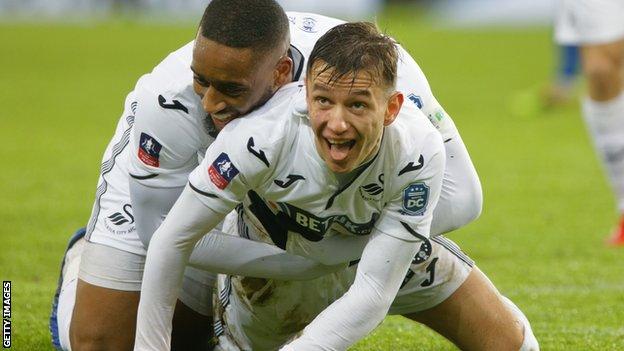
[(283, 71), (394, 106)]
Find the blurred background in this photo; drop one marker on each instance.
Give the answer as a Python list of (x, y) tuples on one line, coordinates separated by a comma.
[(68, 64), (461, 12)]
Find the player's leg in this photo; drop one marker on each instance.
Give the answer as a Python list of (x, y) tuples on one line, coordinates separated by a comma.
[(444, 291), (477, 317), (107, 298), (603, 109), (63, 301), (561, 89), (602, 66)]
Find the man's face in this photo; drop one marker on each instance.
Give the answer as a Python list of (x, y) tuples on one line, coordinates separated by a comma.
[(348, 116), (233, 81)]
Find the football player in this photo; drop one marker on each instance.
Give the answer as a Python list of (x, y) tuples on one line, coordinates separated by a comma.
[(597, 26), (360, 163)]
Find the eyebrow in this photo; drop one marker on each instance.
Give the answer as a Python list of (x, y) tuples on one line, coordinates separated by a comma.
[(362, 92)]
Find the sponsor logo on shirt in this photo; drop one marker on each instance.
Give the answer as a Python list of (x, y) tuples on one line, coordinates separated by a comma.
[(149, 150), (373, 191), (120, 222), (119, 218), (222, 171), (314, 228), (415, 199), (417, 100)]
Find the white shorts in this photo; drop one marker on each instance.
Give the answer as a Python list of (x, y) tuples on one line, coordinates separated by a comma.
[(116, 269), (260, 314), (111, 268), (581, 22)]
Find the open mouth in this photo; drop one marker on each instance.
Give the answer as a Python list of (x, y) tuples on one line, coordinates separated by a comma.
[(339, 149)]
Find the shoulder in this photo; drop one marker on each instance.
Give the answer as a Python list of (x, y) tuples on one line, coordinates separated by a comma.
[(412, 132), (266, 131), (413, 149), (165, 98), (168, 88)]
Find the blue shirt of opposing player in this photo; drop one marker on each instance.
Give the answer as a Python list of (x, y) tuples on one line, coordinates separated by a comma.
[(351, 98), (235, 71)]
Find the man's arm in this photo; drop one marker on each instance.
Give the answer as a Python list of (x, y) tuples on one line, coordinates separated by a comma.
[(380, 272), (223, 253), (167, 257)]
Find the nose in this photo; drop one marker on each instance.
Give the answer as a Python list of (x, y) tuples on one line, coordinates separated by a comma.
[(212, 100), (336, 121)]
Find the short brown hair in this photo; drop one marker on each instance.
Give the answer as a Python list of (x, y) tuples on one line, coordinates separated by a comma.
[(353, 47)]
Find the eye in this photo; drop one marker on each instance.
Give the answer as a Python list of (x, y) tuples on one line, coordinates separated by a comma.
[(322, 101), (358, 105), (233, 92), (200, 81)]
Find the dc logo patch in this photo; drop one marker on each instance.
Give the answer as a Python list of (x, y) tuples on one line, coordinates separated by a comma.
[(222, 171), (149, 150), (308, 24), (417, 100), (415, 199)]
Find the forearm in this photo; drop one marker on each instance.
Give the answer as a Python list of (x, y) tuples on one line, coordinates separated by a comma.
[(167, 256), (332, 250), (384, 264), (222, 253)]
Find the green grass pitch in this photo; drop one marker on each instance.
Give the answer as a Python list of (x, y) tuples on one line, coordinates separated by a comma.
[(547, 203)]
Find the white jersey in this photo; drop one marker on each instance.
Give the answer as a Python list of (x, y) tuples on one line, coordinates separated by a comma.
[(164, 132), (584, 22), (276, 159), (271, 153)]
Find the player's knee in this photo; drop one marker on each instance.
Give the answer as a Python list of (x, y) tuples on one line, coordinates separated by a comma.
[(603, 79), (528, 341), (84, 341), (90, 337)]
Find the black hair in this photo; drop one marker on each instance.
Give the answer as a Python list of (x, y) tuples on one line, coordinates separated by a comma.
[(258, 24)]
